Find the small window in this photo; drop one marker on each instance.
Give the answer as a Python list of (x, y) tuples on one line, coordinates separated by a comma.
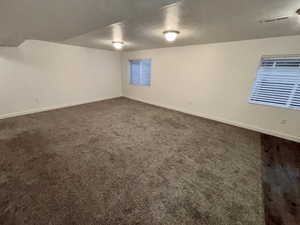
[(140, 72), (278, 83)]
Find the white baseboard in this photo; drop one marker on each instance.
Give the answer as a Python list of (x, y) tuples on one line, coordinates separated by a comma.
[(237, 124), (49, 108)]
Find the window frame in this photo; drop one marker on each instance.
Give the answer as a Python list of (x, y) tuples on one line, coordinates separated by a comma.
[(130, 70), (295, 89)]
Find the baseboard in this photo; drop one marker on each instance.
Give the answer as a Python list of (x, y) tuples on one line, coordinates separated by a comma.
[(237, 124), (242, 125), (49, 108)]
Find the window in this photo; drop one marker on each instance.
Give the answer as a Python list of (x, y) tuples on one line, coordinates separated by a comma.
[(140, 72), (278, 83)]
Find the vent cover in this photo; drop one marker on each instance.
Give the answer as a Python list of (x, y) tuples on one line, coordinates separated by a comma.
[(278, 83), (277, 19)]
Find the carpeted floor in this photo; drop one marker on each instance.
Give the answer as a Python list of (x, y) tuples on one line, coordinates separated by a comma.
[(122, 162)]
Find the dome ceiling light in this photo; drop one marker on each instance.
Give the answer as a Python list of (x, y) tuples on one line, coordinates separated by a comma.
[(118, 45), (171, 35)]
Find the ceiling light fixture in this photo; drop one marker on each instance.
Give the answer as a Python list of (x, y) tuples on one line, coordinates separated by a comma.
[(171, 35), (118, 44)]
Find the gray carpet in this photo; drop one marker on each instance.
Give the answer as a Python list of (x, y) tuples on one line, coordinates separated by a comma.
[(128, 163)]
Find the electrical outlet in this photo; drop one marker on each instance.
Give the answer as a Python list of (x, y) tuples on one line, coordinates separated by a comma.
[(283, 122)]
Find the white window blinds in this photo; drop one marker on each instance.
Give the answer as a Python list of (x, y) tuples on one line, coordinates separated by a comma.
[(278, 83), (140, 72)]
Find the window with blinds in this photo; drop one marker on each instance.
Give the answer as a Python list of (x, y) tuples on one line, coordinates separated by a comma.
[(140, 72), (278, 83)]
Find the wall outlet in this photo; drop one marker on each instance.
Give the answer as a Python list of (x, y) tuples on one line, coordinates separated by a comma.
[(283, 122), (37, 101)]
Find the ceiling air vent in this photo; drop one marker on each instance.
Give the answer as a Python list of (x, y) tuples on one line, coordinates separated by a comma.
[(274, 19)]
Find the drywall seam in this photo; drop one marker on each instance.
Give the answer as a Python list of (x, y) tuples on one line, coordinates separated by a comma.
[(122, 74)]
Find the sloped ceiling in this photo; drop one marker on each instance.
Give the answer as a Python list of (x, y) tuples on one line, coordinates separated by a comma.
[(140, 23)]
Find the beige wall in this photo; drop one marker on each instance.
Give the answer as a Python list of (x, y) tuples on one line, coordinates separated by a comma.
[(215, 81), (212, 81), (40, 75)]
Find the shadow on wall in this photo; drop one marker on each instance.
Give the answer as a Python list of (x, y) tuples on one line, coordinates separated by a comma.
[(12, 54)]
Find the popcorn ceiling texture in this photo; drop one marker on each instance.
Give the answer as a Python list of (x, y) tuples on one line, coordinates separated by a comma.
[(122, 162)]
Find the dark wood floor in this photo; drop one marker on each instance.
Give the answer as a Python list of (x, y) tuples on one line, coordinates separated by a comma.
[(281, 181)]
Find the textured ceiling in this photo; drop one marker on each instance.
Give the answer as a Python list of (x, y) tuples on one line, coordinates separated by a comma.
[(58, 20), (140, 23)]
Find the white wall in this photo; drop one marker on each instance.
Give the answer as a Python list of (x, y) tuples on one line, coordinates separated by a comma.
[(40, 75), (215, 81)]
